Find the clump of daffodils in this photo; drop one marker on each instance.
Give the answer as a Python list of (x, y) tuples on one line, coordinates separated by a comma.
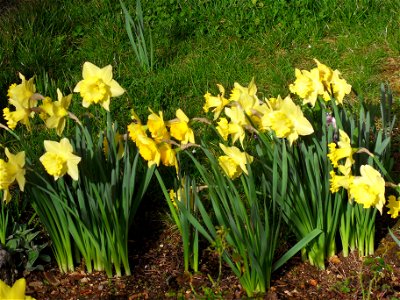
[(322, 82), (155, 139), (97, 86), (368, 188)]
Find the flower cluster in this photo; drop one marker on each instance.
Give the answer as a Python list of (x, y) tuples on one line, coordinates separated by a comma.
[(321, 81), (157, 146), (367, 189), (97, 86), (244, 111)]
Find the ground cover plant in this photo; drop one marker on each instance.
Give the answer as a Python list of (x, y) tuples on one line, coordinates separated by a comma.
[(340, 140)]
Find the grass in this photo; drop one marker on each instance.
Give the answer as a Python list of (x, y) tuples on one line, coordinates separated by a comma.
[(198, 43)]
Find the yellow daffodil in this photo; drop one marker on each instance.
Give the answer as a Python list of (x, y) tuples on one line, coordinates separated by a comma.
[(157, 127), (223, 128), (148, 149), (234, 161), (59, 159), (16, 292), (180, 129), (369, 188), (168, 156), (394, 206), (308, 86), (135, 128), (11, 171), (246, 97), (338, 181), (216, 102), (6, 180), (23, 92), (345, 151), (288, 121), (340, 87), (237, 122), (22, 97), (97, 86), (57, 112), (334, 85)]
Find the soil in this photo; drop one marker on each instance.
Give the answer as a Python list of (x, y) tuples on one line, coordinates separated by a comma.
[(156, 258)]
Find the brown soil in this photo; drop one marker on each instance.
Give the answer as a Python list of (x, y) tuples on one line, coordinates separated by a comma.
[(158, 274)]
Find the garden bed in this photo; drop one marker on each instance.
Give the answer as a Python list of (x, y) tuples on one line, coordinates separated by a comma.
[(158, 274)]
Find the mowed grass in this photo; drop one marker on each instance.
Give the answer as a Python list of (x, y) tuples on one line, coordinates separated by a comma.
[(198, 43)]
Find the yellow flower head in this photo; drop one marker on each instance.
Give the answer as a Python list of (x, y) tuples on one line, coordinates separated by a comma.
[(334, 85), (21, 96), (180, 129), (59, 159), (237, 122), (11, 171), (216, 102), (338, 181), (157, 128), (344, 151), (148, 149), (168, 156), (288, 121), (23, 92), (97, 86), (308, 86), (394, 206), (246, 98), (223, 128), (369, 188), (16, 292), (340, 87), (234, 161), (135, 128), (57, 112)]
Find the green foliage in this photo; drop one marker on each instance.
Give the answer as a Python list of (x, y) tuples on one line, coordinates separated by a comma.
[(22, 243), (91, 217)]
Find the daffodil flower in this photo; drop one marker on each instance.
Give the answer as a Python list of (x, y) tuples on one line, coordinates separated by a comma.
[(97, 86), (16, 292), (345, 151), (339, 181), (180, 129), (308, 86), (135, 128), (21, 96), (216, 102), (148, 149), (234, 161), (59, 159), (157, 127), (369, 188), (288, 121), (246, 97), (11, 171), (23, 92), (57, 112), (168, 155), (394, 206)]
